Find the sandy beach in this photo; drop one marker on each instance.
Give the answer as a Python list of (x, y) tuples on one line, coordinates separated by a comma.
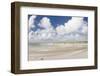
[(54, 51)]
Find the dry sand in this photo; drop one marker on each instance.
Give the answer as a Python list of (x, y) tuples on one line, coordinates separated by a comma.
[(58, 51)]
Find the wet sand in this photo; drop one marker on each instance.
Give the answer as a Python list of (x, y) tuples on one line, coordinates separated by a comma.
[(54, 51)]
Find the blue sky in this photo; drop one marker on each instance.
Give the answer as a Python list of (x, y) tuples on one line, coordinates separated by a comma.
[(55, 20), (63, 26)]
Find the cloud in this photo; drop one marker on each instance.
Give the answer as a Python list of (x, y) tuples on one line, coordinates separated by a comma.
[(31, 21), (70, 30), (60, 29), (66, 31), (45, 23), (77, 35), (74, 24), (84, 28), (42, 34), (48, 32), (71, 26), (31, 35)]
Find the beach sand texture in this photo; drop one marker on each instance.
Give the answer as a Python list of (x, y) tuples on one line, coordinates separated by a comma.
[(55, 51)]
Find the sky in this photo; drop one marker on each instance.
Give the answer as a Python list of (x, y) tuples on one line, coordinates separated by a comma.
[(57, 28)]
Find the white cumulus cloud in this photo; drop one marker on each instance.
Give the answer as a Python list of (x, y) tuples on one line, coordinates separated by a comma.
[(74, 24), (66, 31), (71, 29), (47, 32), (31, 21), (84, 28), (60, 29), (31, 35), (45, 23), (42, 34)]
